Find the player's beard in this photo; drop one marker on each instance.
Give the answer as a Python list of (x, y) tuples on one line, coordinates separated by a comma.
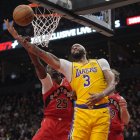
[(78, 56)]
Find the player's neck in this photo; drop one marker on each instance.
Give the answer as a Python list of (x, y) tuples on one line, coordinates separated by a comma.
[(83, 60), (58, 81)]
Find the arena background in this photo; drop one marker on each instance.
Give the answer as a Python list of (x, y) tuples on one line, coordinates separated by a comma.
[(20, 90)]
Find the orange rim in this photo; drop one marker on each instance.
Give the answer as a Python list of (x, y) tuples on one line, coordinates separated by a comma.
[(32, 5), (46, 15)]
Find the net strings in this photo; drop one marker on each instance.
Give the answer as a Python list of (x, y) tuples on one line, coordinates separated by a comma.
[(44, 24)]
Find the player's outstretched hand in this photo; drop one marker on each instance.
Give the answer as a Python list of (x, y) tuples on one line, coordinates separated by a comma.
[(94, 98), (11, 28)]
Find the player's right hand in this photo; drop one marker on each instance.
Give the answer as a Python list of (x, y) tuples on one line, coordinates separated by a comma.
[(94, 98), (11, 29)]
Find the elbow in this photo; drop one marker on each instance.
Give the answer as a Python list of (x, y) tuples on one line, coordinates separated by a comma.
[(126, 120)]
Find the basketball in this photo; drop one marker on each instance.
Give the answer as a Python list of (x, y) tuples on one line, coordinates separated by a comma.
[(23, 15)]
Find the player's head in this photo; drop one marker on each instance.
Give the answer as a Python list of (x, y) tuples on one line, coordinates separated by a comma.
[(78, 52), (117, 76), (53, 73)]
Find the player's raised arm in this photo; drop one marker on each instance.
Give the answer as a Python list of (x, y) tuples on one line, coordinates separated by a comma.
[(124, 114), (39, 67), (47, 57)]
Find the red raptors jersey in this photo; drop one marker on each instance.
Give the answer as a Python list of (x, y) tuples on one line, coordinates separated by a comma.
[(56, 101), (116, 123)]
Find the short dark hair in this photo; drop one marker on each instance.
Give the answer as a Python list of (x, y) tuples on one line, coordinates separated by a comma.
[(117, 75)]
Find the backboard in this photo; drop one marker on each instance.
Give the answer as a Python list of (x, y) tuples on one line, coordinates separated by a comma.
[(95, 14), (93, 6)]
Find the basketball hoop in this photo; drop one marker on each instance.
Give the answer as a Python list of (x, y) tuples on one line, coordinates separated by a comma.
[(44, 24)]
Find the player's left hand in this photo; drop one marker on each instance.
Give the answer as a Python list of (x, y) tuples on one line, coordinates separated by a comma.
[(94, 98), (11, 28)]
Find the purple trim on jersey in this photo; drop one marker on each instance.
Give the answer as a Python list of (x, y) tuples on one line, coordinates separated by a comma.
[(71, 128)]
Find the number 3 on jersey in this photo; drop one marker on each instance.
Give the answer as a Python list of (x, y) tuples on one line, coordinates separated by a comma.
[(87, 80)]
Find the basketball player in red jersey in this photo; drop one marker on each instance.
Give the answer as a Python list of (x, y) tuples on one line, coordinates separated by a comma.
[(119, 113), (58, 108)]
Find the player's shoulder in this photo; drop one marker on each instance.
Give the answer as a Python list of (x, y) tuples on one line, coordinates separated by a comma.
[(116, 96), (65, 81), (122, 98), (102, 60), (65, 61), (103, 64), (98, 59)]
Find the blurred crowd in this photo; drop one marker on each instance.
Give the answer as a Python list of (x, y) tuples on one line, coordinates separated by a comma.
[(21, 113), (127, 11), (130, 90)]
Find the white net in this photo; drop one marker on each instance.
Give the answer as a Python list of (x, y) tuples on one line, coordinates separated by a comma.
[(44, 24)]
